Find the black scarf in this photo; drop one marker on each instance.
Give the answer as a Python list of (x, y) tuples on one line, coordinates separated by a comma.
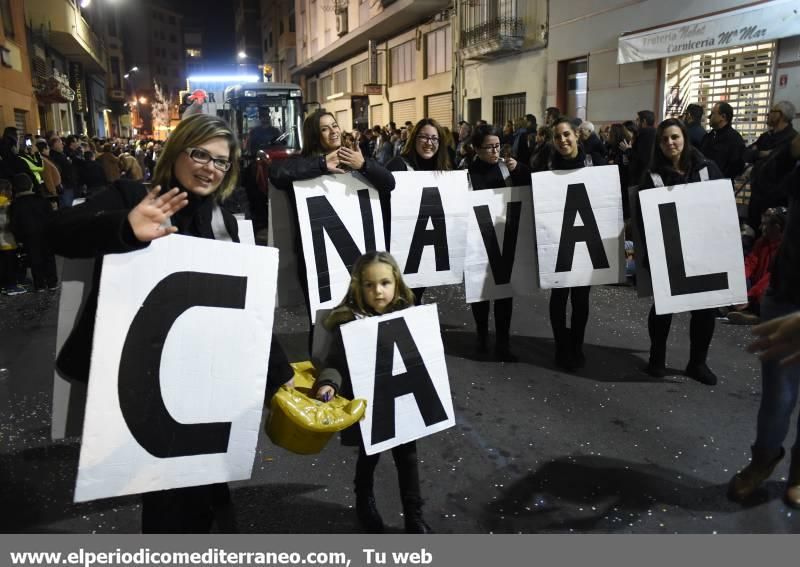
[(195, 218)]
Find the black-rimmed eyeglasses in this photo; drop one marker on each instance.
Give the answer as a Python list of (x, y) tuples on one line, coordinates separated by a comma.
[(202, 156)]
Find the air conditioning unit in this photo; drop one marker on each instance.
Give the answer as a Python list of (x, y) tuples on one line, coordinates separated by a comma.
[(341, 22)]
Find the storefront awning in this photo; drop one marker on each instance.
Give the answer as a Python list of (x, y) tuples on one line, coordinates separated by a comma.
[(756, 23)]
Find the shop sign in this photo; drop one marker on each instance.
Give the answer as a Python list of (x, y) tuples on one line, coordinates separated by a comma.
[(754, 24), (76, 82)]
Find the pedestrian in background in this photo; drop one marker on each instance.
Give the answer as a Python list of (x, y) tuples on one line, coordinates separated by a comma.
[(30, 212)]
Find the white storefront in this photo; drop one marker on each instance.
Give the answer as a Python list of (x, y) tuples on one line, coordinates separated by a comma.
[(661, 56)]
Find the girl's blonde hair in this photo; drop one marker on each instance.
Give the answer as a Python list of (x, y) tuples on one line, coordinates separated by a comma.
[(403, 296), (193, 131)]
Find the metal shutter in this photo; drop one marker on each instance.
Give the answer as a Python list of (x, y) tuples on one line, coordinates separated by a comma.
[(403, 110), (440, 108), (376, 115)]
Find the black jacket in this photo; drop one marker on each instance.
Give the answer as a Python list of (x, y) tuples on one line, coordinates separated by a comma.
[(484, 175), (696, 134), (29, 213), (725, 147), (769, 172), (69, 175), (671, 177), (785, 278), (286, 172), (100, 226), (641, 153)]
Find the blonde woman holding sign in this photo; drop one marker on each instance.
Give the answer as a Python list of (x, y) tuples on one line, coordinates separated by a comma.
[(676, 162), (200, 162)]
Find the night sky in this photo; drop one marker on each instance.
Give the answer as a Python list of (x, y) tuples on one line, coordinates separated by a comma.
[(215, 17)]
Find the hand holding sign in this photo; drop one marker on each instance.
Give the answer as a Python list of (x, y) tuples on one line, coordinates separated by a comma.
[(148, 217)]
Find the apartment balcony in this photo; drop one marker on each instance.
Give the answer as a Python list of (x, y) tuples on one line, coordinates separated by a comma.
[(396, 17), (491, 29), (63, 28)]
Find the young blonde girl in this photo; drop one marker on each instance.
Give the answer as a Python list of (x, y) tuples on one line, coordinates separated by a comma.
[(376, 288)]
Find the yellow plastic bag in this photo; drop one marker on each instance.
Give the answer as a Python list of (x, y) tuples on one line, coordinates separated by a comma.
[(304, 425)]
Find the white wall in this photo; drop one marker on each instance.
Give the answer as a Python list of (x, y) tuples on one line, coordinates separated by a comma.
[(525, 72), (789, 65), (591, 27)]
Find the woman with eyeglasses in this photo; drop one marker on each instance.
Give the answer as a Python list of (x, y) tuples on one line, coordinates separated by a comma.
[(489, 170), (200, 162), (676, 162), (324, 154), (425, 150), (566, 153)]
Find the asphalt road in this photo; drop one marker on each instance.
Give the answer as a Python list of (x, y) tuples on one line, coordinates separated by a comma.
[(534, 450)]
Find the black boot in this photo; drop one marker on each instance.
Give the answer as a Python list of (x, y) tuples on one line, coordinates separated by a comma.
[(564, 355), (702, 373), (412, 514), (576, 339), (367, 512), (657, 365), (502, 352)]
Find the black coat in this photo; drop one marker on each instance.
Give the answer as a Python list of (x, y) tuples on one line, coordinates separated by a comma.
[(642, 153), (485, 175), (725, 147), (785, 279), (29, 213), (100, 226), (69, 176), (286, 172), (671, 177)]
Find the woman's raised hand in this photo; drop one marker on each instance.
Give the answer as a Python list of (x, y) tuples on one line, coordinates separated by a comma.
[(332, 162), (351, 158), (148, 217), (511, 163)]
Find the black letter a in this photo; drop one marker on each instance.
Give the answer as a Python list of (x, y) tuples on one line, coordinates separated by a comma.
[(415, 380), (140, 399), (430, 208), (578, 202)]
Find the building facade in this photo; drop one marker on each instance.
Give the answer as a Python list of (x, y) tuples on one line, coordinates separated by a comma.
[(407, 77), (18, 107), (278, 34), (247, 24)]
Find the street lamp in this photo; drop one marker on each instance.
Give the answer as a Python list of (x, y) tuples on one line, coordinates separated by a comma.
[(142, 100), (242, 55)]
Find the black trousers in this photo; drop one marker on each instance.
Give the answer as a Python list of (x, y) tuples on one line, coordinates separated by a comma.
[(191, 510), (418, 293), (580, 310), (405, 460), (502, 317), (701, 329), (43, 262)]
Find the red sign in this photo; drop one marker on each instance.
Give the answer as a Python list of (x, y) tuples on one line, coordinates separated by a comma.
[(372, 89)]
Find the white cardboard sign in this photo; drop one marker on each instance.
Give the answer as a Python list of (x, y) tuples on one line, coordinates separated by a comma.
[(175, 395), (579, 227), (429, 223), (340, 219), (396, 362), (496, 268), (693, 246)]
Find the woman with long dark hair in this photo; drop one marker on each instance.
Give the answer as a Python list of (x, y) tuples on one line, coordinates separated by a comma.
[(676, 162), (490, 171), (567, 153), (323, 154)]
